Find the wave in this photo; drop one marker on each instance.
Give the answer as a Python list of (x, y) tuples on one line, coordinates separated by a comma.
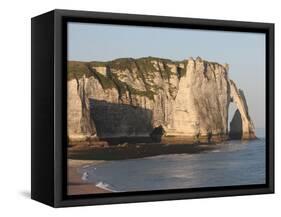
[(215, 151), (105, 186)]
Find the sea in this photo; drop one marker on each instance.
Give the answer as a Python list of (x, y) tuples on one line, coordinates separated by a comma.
[(232, 163)]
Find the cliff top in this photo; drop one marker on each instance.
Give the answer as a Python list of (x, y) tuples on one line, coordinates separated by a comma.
[(116, 73), (76, 69)]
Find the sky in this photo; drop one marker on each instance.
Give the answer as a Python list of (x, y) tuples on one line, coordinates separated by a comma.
[(244, 52)]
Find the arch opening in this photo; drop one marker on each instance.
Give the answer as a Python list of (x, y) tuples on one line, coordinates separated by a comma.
[(236, 126)]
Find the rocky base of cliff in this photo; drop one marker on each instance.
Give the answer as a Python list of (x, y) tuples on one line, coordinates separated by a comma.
[(134, 151), (125, 142)]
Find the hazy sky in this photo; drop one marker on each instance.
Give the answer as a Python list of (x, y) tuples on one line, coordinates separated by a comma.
[(244, 52)]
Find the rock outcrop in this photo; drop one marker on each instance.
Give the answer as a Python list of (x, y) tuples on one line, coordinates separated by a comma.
[(135, 97)]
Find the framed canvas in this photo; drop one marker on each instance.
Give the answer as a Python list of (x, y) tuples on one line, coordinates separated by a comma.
[(130, 108)]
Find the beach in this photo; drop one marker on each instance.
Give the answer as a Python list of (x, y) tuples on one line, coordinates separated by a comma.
[(76, 186), (232, 163)]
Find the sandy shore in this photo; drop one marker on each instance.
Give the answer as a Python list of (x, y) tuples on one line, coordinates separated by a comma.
[(76, 186)]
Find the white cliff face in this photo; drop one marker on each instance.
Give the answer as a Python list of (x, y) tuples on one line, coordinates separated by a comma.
[(74, 110), (201, 105), (79, 123), (129, 97), (100, 69)]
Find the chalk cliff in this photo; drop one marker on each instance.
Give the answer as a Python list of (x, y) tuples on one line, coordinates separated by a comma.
[(135, 97)]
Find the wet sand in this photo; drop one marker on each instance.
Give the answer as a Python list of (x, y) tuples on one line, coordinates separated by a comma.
[(76, 186)]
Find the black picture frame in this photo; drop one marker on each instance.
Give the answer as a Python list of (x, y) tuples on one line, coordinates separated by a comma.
[(49, 137)]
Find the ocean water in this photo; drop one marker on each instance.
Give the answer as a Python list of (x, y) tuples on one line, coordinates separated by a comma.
[(231, 163)]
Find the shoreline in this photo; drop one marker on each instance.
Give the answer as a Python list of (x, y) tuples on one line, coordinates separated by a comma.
[(133, 151), (75, 185)]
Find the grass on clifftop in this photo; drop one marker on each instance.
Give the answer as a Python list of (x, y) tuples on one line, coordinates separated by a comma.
[(143, 68), (143, 65), (76, 70)]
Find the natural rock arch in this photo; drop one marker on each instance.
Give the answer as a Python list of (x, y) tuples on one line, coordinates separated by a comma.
[(241, 125)]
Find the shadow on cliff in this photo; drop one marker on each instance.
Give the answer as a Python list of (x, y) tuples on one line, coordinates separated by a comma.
[(120, 123), (127, 130)]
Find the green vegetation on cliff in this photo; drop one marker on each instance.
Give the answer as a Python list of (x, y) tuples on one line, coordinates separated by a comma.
[(105, 81), (142, 68), (76, 70)]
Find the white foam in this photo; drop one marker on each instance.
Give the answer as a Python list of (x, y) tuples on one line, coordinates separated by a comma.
[(105, 186), (216, 151)]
